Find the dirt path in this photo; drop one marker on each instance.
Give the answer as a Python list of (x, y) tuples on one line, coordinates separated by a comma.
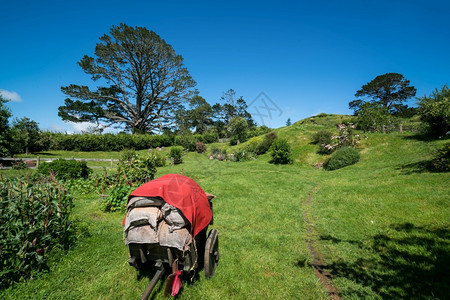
[(318, 259)]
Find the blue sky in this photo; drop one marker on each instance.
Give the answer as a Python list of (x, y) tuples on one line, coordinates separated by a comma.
[(308, 57)]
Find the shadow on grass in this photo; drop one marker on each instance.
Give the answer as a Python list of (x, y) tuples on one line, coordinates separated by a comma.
[(417, 167), (410, 263), (44, 153)]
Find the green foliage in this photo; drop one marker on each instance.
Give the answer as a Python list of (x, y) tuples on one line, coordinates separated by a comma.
[(176, 154), (322, 137), (374, 117), (24, 136), (187, 140), (253, 144), (441, 160), (34, 219), (117, 199), (238, 128), (281, 152), (159, 158), (343, 157), (243, 155), (65, 169), (288, 122), (389, 90), (264, 146), (200, 147), (434, 111), (136, 169)]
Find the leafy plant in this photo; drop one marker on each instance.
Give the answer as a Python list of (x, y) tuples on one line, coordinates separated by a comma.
[(117, 199), (34, 219), (281, 152), (137, 168), (343, 157), (65, 169), (176, 154), (243, 155)]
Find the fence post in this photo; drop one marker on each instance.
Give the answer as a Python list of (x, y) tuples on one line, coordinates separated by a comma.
[(384, 128), (38, 161), (111, 163), (401, 128)]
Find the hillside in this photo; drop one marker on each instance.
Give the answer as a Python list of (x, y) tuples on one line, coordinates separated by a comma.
[(379, 228)]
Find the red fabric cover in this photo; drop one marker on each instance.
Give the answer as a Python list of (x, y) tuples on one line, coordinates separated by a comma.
[(183, 193)]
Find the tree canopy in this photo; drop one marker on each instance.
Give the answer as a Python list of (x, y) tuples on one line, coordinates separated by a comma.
[(144, 82), (390, 90)]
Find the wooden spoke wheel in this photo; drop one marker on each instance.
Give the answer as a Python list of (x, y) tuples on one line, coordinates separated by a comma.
[(211, 253)]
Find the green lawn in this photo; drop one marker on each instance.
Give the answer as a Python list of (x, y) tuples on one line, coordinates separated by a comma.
[(381, 226)]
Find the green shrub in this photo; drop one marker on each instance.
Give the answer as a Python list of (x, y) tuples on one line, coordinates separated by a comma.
[(34, 219), (281, 152), (219, 154), (322, 137), (65, 169), (117, 199), (265, 145), (187, 141), (345, 156), (200, 147), (210, 137), (176, 154), (434, 111), (441, 160), (160, 159), (138, 168)]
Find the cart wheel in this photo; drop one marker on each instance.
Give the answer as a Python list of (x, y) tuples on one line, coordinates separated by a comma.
[(211, 253)]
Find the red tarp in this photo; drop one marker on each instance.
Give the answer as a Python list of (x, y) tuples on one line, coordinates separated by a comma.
[(183, 193)]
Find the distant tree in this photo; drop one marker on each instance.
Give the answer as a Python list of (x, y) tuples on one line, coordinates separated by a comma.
[(24, 135), (390, 90), (288, 122), (200, 115), (146, 82), (434, 111), (235, 107), (5, 114), (238, 128)]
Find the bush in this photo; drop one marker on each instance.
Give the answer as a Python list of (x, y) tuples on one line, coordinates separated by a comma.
[(117, 199), (137, 168), (441, 160), (34, 219), (322, 137), (160, 159), (65, 169), (343, 157), (281, 152), (253, 144), (175, 155), (265, 145), (187, 141), (219, 154), (435, 111)]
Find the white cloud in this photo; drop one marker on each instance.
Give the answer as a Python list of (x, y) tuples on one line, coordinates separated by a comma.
[(13, 96)]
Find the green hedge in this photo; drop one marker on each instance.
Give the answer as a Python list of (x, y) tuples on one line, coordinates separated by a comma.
[(118, 142)]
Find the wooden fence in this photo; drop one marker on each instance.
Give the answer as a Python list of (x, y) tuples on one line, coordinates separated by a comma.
[(34, 163)]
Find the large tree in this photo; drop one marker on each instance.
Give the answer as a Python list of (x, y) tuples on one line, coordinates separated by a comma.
[(434, 111), (390, 90), (145, 82), (5, 114)]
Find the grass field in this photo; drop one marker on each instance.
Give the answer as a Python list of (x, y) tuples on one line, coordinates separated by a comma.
[(381, 227)]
